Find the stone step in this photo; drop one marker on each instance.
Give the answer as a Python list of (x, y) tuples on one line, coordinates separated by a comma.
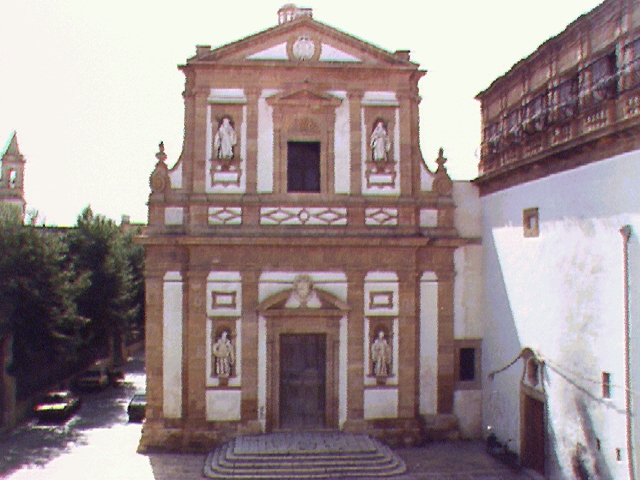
[(303, 456), (227, 459)]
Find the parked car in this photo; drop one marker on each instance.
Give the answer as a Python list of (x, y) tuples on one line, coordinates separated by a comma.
[(95, 377), (137, 406), (57, 405)]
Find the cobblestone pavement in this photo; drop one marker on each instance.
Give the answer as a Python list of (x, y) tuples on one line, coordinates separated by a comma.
[(436, 461)]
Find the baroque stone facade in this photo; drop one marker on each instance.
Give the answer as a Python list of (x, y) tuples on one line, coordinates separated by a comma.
[(299, 225)]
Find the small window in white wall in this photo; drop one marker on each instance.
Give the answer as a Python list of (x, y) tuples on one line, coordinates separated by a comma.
[(606, 385), (467, 371), (467, 364), (531, 222)]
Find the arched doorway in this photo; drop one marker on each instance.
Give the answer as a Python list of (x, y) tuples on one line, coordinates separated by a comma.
[(532, 414)]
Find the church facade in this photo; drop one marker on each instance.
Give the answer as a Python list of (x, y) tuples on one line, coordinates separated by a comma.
[(305, 269)]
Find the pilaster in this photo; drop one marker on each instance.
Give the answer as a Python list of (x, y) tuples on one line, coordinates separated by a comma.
[(153, 345), (355, 118), (408, 351), (446, 354), (406, 141), (253, 95), (355, 354), (249, 402), (194, 355), (198, 158)]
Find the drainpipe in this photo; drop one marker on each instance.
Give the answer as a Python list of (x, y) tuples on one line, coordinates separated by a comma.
[(626, 235)]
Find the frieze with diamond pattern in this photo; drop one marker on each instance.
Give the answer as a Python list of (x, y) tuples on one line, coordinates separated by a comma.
[(225, 215), (303, 216)]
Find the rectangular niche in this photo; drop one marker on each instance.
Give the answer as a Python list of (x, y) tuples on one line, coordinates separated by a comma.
[(214, 333), (381, 293), (224, 294), (390, 329)]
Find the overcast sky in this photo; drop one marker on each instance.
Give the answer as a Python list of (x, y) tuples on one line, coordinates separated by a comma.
[(92, 87)]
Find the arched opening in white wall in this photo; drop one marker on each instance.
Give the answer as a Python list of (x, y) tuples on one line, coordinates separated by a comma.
[(533, 425)]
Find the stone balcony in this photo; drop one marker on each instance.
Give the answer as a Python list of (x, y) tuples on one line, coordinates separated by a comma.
[(562, 130), (565, 140)]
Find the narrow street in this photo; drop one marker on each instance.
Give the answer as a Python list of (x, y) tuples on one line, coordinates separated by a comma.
[(97, 442)]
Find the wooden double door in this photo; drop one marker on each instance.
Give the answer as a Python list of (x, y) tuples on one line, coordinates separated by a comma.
[(302, 358), (303, 366)]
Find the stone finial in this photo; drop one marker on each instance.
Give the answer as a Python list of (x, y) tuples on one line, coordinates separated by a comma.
[(441, 160), (443, 185), (159, 179), (161, 156)]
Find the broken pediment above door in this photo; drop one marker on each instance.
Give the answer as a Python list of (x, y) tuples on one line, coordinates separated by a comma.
[(303, 299)]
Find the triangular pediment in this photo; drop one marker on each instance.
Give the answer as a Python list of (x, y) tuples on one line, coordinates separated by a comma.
[(303, 40), (304, 94)]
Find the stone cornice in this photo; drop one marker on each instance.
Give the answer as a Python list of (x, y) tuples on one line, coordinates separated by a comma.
[(302, 241)]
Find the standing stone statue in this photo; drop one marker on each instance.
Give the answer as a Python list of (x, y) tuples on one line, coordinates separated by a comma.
[(380, 143), (381, 356), (223, 354), (225, 139)]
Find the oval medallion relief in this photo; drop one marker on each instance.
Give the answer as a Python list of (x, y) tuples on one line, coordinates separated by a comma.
[(303, 48)]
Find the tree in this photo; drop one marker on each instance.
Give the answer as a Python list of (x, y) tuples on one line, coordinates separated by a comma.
[(136, 255), (37, 292), (100, 250)]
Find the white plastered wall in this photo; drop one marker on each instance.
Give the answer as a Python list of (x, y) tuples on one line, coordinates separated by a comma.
[(428, 344), (265, 142), (467, 299), (172, 345), (342, 145), (562, 294)]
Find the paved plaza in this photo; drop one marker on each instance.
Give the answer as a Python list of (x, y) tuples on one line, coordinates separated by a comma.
[(435, 461)]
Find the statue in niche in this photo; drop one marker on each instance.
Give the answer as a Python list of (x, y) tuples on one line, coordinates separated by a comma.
[(225, 140), (381, 355), (303, 294), (380, 143), (224, 357)]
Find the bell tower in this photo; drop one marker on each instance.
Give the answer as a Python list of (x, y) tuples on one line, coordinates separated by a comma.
[(11, 178)]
